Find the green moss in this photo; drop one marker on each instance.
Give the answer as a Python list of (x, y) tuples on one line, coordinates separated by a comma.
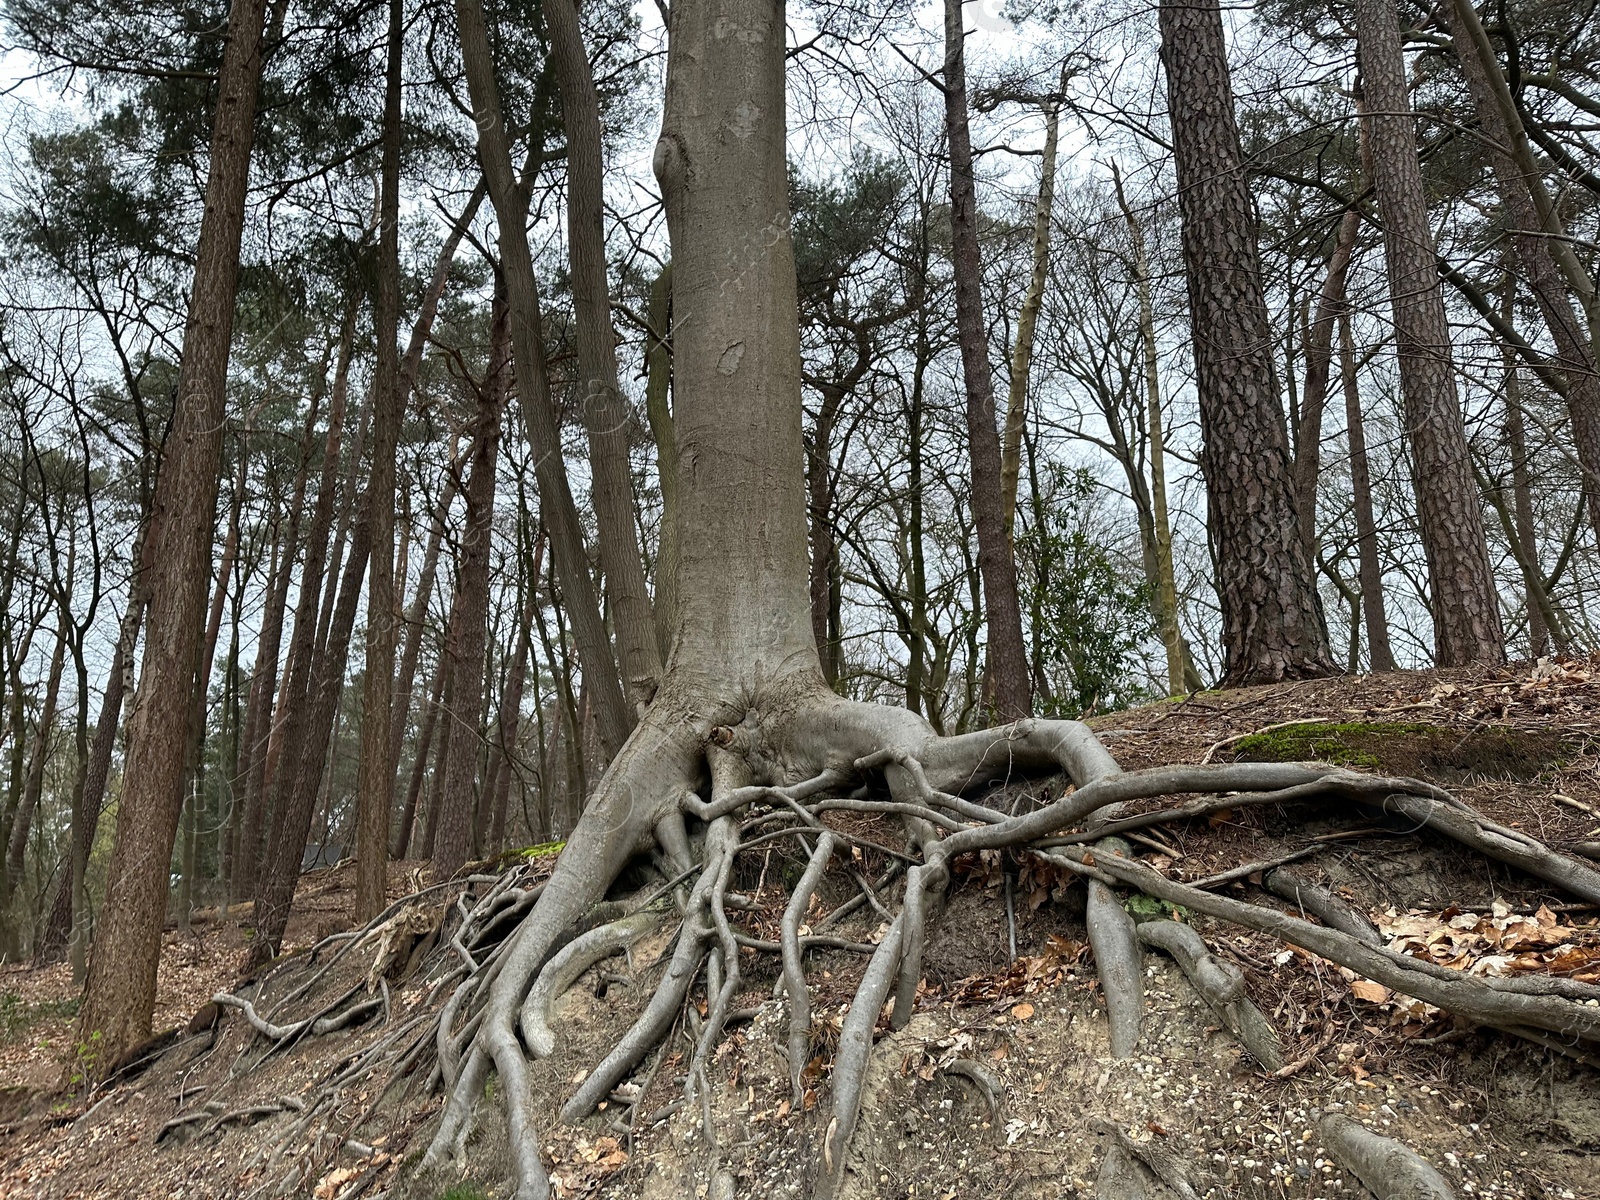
[(1435, 752), (1345, 744), (543, 850), (464, 1191)]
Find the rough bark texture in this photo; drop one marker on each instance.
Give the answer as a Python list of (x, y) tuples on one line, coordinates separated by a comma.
[(375, 781), (1006, 678), (604, 413), (510, 201), (464, 650), (1466, 617), (122, 972), (1272, 620)]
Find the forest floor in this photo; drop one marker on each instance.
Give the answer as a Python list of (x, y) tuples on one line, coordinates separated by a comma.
[(1497, 1116)]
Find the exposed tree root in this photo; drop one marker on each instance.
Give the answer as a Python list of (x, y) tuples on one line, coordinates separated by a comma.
[(507, 951), (1220, 984), (1391, 1170)]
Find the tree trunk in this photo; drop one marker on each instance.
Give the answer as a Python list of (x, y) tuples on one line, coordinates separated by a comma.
[(1531, 215), (824, 550), (1466, 618), (503, 750), (510, 201), (1319, 360), (1273, 626), (1006, 683), (68, 922), (604, 413), (1379, 655), (1542, 622), (375, 781), (658, 407), (1032, 299), (1181, 673), (419, 766), (38, 756), (120, 998), (469, 621)]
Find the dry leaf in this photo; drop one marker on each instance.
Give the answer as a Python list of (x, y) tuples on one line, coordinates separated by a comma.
[(1366, 989), (1022, 1012)]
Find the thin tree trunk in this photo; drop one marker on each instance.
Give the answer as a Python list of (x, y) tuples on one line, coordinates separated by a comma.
[(1181, 673), (503, 751), (38, 756), (468, 628), (560, 514), (1466, 618), (824, 551), (120, 998), (1272, 619), (658, 407), (1379, 656), (1006, 681), (1541, 620), (419, 766), (1319, 360), (600, 396), (1531, 215), (67, 927), (375, 780), (1032, 299)]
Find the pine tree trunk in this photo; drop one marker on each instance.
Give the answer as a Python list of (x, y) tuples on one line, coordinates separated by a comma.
[(120, 998), (419, 767), (560, 514), (1466, 618), (469, 625), (1272, 619), (503, 750), (33, 785), (600, 397), (375, 779), (1379, 656), (1006, 683)]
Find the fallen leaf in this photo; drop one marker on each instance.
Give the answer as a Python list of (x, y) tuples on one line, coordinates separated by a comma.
[(1366, 989), (1022, 1012)]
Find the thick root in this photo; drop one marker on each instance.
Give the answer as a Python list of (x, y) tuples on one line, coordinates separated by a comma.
[(1220, 984), (562, 971), (794, 976), (1391, 1170), (1115, 943), (1322, 904)]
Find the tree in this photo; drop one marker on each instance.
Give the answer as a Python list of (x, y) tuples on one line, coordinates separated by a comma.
[(1466, 615), (1007, 686), (120, 997), (1272, 619)]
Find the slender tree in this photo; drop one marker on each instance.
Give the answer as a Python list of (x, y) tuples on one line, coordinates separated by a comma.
[(120, 998)]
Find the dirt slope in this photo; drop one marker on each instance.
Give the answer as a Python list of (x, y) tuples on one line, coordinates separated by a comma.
[(1003, 1082)]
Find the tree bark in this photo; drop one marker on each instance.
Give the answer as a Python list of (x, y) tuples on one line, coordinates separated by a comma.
[(1273, 627), (1181, 673), (375, 779), (464, 651), (1032, 299), (120, 998), (503, 750), (1007, 688), (419, 766), (1379, 656), (1466, 618), (1319, 361), (510, 201), (658, 408), (604, 413), (1531, 215), (38, 756)]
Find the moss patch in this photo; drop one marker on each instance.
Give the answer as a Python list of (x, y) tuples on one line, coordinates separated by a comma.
[(543, 850), (1426, 751)]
